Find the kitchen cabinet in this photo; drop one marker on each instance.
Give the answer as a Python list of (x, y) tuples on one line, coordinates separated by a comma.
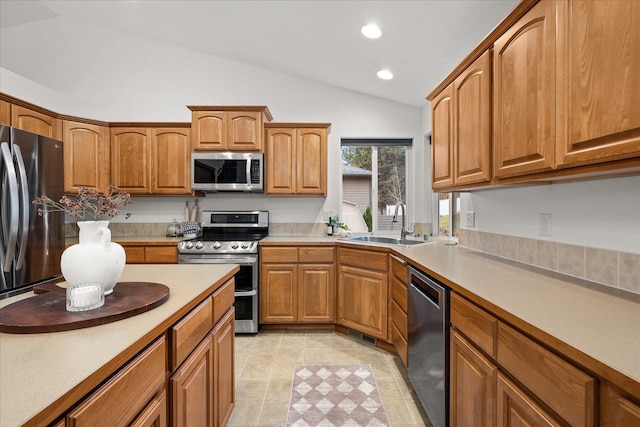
[(487, 358), (618, 408), (155, 414), (5, 112), (151, 160), (524, 94), (296, 159), (151, 254), (41, 122), (598, 81), (363, 291), (297, 285), (472, 385), (228, 128), (399, 276), (203, 384), (141, 381), (86, 156), (461, 123)]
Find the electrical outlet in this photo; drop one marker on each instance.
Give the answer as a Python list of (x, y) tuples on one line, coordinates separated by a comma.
[(471, 219), (326, 215), (544, 224)]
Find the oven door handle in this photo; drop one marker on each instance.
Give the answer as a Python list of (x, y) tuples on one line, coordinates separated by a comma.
[(245, 294)]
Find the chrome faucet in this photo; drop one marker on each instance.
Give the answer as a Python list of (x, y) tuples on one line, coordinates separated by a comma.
[(404, 231)]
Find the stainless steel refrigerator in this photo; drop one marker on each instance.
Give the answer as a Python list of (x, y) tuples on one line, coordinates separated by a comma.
[(30, 245)]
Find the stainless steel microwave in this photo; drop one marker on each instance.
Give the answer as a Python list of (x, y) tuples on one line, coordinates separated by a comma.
[(217, 172)]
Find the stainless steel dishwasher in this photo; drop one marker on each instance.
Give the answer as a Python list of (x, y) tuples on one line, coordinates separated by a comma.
[(429, 345)]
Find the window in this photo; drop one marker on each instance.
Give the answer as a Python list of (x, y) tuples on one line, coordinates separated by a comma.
[(374, 183), (448, 205)]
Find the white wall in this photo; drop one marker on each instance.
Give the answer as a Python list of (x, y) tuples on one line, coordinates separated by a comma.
[(601, 213), (105, 75)]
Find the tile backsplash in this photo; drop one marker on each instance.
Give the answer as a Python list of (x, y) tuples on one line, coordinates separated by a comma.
[(603, 266)]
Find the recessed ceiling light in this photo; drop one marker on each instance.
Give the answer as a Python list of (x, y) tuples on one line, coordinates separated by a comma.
[(371, 31), (385, 74)]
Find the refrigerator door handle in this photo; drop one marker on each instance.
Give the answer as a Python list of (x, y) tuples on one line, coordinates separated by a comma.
[(25, 208), (10, 229)]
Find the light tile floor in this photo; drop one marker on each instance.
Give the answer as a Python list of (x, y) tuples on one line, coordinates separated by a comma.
[(264, 373)]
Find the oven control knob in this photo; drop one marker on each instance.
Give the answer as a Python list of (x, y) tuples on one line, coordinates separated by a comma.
[(245, 245), (216, 245), (199, 245), (189, 245), (234, 246)]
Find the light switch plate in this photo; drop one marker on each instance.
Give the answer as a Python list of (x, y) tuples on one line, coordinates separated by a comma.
[(471, 219), (544, 225)]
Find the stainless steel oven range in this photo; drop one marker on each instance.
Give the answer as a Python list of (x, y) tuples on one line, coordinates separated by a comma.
[(231, 237)]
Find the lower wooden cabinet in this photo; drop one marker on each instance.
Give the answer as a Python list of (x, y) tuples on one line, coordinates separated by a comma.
[(155, 254), (297, 285), (223, 369), (399, 323), (155, 414), (516, 408), (472, 383), (140, 381), (362, 291)]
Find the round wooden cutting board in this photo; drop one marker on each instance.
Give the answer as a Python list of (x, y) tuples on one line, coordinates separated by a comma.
[(46, 311)]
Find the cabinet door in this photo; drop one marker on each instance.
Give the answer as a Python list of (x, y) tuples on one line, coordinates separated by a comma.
[(311, 154), (192, 388), (131, 159), (161, 254), (35, 122), (618, 408), (316, 293), (171, 160), (155, 414), (442, 137), (516, 408), (244, 131), (209, 130), (472, 385), (278, 295), (362, 300), (524, 94), (86, 156), (472, 143), (598, 81), (281, 161), (5, 112), (223, 369)]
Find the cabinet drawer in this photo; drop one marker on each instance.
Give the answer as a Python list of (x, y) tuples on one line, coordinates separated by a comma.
[(135, 254), (316, 254), (399, 293), (161, 255), (223, 299), (479, 326), (122, 397), (284, 254), (399, 269), (188, 332), (358, 258), (562, 386), (400, 343), (399, 318)]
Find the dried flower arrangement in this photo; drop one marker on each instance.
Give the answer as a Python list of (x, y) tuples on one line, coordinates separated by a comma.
[(88, 204)]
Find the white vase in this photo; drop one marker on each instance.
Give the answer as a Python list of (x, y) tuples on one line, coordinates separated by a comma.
[(95, 258)]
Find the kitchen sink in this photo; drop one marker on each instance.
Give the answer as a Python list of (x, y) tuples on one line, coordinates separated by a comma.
[(382, 240)]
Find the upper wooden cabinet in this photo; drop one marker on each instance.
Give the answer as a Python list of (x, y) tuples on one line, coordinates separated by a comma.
[(35, 122), (296, 159), (151, 160), (5, 112), (598, 81), (228, 128), (524, 94), (86, 156), (461, 123)]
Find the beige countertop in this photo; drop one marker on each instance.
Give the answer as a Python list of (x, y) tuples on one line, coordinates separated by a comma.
[(36, 370), (602, 323)]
